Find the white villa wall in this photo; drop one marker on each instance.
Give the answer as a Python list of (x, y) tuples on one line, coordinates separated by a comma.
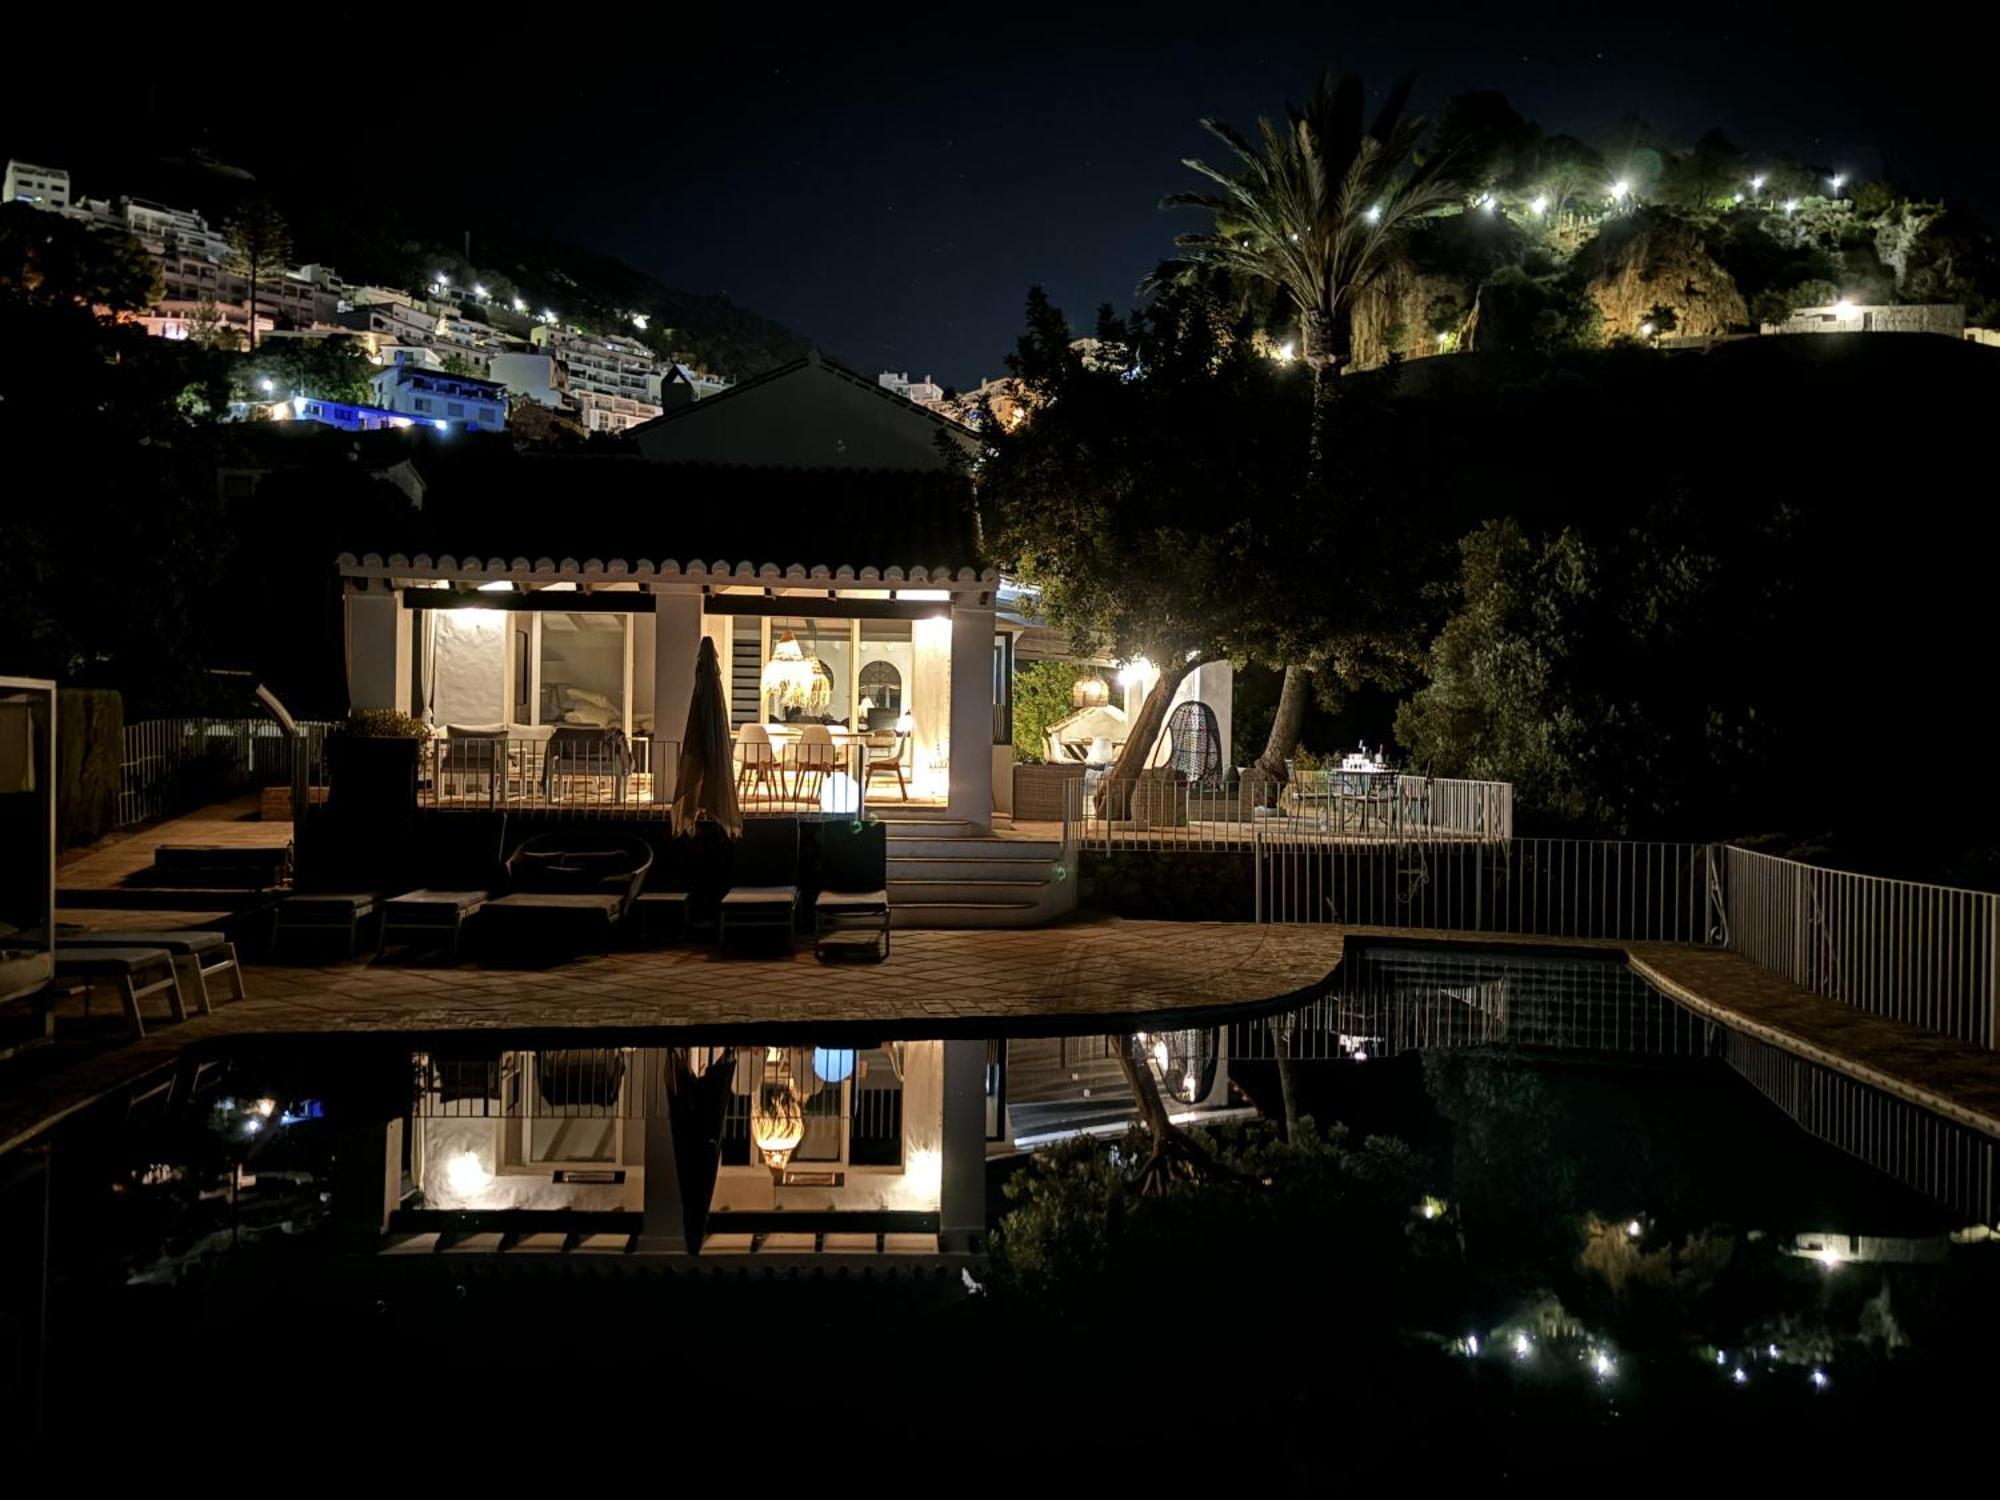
[(438, 1143), (468, 659)]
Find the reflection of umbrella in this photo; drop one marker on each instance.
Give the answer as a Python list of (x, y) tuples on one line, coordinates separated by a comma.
[(697, 1105), (706, 785)]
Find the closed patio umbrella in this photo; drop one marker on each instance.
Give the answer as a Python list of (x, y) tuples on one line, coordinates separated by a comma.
[(705, 787)]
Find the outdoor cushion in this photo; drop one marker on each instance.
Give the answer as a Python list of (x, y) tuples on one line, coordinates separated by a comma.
[(852, 900), (107, 963), (443, 903), (559, 901), (172, 942), (338, 904), (760, 895)]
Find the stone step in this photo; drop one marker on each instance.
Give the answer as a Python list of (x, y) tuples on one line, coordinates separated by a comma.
[(970, 892), (1029, 850), (968, 914), (968, 867)]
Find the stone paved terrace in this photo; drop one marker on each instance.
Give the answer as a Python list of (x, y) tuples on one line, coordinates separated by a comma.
[(1085, 975), (1079, 975)]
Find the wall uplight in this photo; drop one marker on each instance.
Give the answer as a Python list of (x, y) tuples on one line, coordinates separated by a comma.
[(1844, 308), (1620, 190), (478, 290), (1135, 672), (1757, 183), (466, 1175), (1791, 207), (520, 306), (1373, 213), (1837, 181), (266, 384), (1540, 206)]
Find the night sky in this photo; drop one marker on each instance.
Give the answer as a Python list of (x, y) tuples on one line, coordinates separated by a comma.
[(889, 189)]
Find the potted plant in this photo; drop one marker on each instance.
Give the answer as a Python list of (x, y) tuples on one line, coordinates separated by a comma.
[(373, 759)]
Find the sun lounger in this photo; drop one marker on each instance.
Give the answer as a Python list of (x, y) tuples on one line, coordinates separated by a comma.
[(851, 912), (417, 917), (763, 894), (575, 883), (134, 972), (339, 913), (199, 958)]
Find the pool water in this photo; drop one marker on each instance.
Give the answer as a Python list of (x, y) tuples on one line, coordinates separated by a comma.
[(1625, 1241)]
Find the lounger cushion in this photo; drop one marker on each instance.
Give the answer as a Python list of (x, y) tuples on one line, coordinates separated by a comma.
[(334, 907), (178, 943), (559, 901), (108, 963), (852, 900), (436, 904), (762, 895)]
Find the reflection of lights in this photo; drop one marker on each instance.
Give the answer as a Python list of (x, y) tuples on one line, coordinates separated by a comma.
[(1827, 1256), (1523, 1346), (1431, 1207), (1472, 1345), (265, 1107), (1770, 1351), (1739, 1376), (1603, 1364), (251, 1125), (1633, 1229), (1722, 1356), (465, 1174), (1820, 1381)]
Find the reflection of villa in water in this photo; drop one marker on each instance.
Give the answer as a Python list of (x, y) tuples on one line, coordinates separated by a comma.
[(853, 1148)]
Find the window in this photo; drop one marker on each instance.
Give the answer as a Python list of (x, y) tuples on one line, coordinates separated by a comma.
[(422, 403), (583, 668), (454, 408), (488, 414)]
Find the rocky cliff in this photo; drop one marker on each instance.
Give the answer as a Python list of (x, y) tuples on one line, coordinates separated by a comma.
[(1394, 313), (1652, 259)]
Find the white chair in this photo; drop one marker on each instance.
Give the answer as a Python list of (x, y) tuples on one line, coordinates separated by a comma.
[(756, 762), (817, 757)]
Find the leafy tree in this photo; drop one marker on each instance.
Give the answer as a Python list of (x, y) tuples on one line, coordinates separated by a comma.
[(457, 364), (1041, 696), (207, 327), (48, 260), (1565, 171), (1707, 173), (327, 369), (259, 242), (1544, 315)]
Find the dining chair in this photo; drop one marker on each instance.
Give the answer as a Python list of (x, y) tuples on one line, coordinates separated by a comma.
[(817, 757), (887, 756), (756, 763)]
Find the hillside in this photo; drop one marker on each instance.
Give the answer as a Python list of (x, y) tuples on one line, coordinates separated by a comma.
[(405, 238)]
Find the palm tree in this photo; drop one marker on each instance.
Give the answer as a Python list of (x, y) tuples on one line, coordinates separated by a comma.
[(1315, 209)]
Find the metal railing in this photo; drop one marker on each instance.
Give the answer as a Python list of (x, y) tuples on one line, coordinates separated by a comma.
[(1157, 812), (1927, 955), (171, 765), (1556, 888), (633, 777)]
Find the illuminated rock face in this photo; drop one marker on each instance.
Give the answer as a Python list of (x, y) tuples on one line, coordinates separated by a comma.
[(1659, 261)]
